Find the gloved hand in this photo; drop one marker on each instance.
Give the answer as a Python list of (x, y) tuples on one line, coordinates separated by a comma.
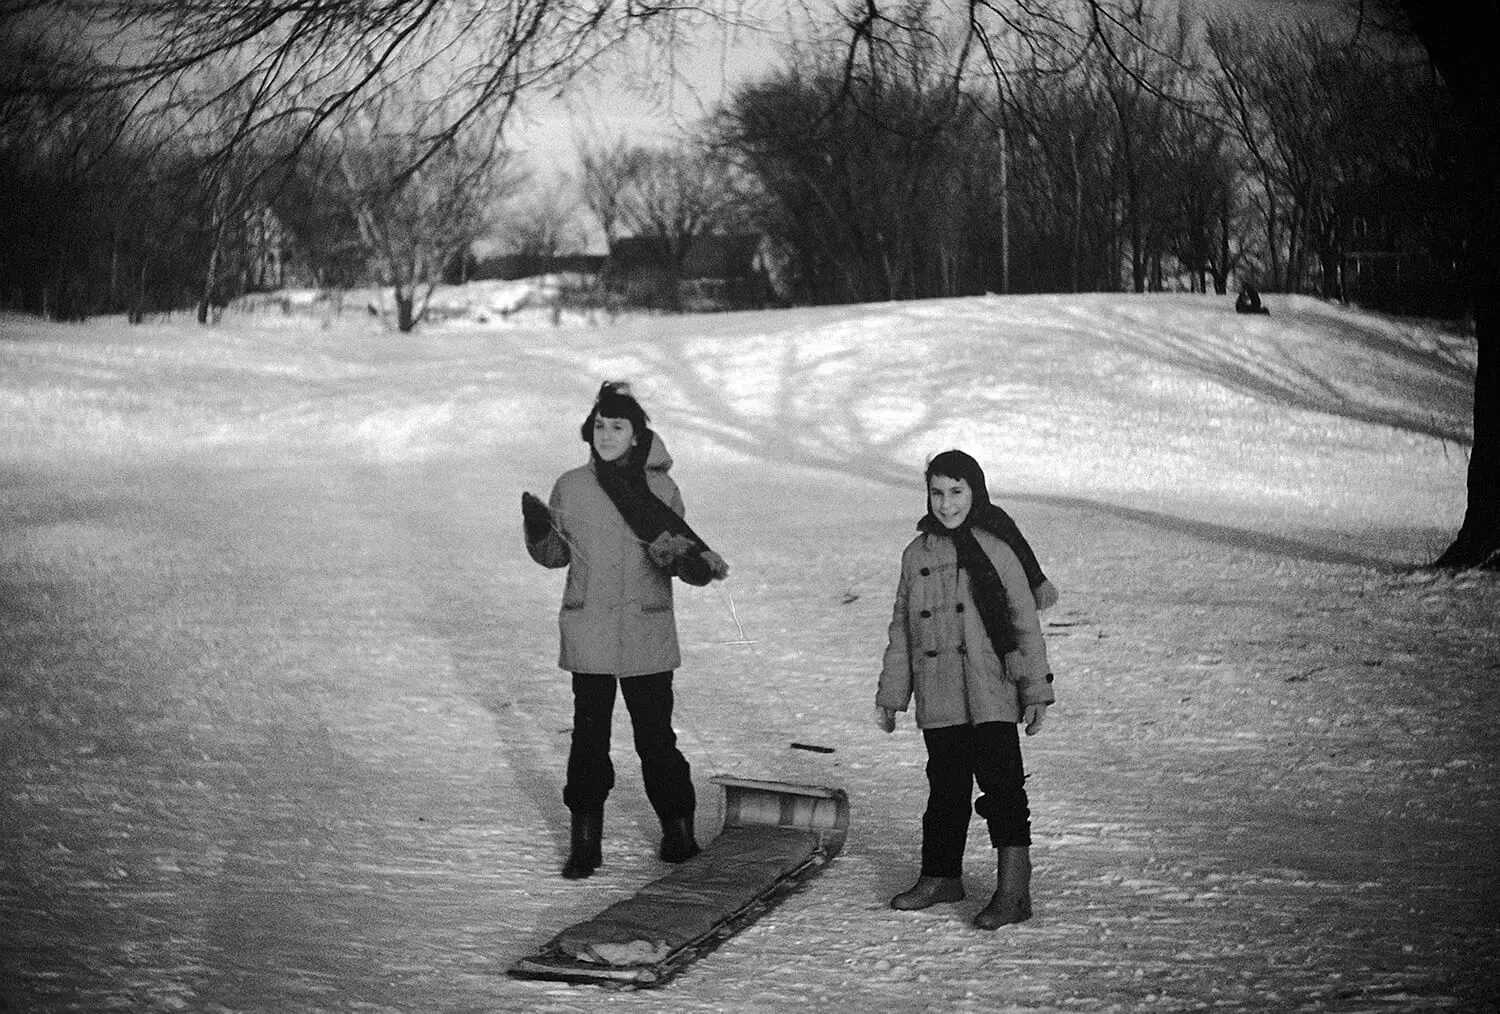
[(680, 555), (536, 518), (699, 568), (668, 550), (885, 719), (1035, 715), (1045, 596)]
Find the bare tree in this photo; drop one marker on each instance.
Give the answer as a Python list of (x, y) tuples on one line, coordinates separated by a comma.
[(865, 153), (1061, 148), (678, 194), (609, 170), (543, 227), (1142, 66), (1199, 193), (1237, 89), (412, 221), (317, 64), (232, 79), (91, 222), (324, 229)]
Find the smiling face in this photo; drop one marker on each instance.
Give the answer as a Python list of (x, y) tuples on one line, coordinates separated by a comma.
[(612, 437), (949, 499)]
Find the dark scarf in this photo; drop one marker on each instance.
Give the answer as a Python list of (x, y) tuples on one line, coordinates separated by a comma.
[(993, 519), (989, 593), (624, 482)]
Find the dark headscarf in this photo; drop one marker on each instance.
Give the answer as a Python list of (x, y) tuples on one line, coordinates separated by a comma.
[(985, 515), (990, 597)]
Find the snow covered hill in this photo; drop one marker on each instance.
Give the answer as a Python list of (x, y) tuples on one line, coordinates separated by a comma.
[(280, 727)]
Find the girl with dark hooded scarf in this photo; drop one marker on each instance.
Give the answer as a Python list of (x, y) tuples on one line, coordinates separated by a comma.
[(966, 645)]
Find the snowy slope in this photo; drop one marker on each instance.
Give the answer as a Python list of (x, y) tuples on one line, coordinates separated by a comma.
[(282, 731)]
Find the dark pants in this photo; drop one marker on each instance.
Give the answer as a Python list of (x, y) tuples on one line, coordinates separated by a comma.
[(591, 774), (957, 757)]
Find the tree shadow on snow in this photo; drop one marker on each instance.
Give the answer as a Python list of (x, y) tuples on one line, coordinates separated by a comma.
[(793, 427), (1224, 535), (1311, 358)]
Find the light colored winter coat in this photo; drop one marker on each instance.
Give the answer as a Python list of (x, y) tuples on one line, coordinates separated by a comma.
[(616, 616), (939, 651)]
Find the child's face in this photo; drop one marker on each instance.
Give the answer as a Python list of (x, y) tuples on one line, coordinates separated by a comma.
[(612, 437), (949, 499)]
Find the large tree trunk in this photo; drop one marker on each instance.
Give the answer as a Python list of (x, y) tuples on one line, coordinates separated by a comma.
[(1463, 55), (1478, 541)]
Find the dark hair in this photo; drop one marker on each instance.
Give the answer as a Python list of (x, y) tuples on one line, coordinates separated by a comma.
[(956, 464), (615, 401)]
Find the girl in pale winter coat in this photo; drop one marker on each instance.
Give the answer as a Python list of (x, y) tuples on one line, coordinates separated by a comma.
[(617, 524), (966, 643)]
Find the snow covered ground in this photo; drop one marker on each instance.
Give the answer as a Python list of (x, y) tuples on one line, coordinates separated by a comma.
[(280, 728)]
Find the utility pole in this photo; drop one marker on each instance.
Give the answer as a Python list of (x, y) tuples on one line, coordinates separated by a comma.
[(1004, 212)]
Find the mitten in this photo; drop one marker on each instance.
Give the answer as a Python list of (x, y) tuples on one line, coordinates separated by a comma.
[(885, 719), (700, 567), (718, 569), (1045, 595), (536, 518), (668, 551)]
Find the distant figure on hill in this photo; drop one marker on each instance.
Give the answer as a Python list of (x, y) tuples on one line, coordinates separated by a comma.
[(1248, 301)]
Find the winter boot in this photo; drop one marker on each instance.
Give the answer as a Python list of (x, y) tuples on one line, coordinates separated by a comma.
[(1012, 900), (928, 891), (677, 842), (586, 854)]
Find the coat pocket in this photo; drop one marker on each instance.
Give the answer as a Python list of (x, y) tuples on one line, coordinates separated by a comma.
[(653, 590), (922, 631), (925, 663), (1013, 668), (573, 597)]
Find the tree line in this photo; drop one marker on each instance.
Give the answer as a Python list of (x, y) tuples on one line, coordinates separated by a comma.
[(1166, 159), (877, 165)]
